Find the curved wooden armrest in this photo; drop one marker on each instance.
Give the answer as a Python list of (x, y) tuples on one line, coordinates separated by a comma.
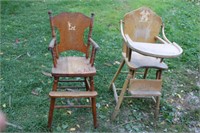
[(94, 44), (52, 44), (160, 39), (122, 31), (52, 49), (94, 49), (168, 50), (163, 34)]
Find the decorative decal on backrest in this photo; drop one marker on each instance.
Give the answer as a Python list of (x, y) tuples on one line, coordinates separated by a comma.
[(144, 15), (70, 27)]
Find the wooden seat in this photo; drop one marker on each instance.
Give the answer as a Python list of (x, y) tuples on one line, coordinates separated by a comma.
[(143, 49), (68, 68), (73, 66), (141, 61)]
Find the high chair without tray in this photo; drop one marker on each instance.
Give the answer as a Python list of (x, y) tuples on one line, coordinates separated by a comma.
[(71, 28), (143, 49)]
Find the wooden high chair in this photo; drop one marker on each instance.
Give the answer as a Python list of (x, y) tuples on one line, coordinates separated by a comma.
[(71, 28), (143, 49)]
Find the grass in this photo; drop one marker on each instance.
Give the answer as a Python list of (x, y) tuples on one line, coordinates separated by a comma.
[(25, 35)]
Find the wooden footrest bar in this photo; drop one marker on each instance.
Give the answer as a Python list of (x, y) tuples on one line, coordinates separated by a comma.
[(144, 93), (79, 94), (145, 87), (73, 106)]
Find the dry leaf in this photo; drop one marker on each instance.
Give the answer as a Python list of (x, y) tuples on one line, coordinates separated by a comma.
[(78, 125), (45, 39), (107, 64), (87, 100), (46, 74), (69, 112), (162, 123), (178, 95), (28, 54), (72, 129), (35, 92), (46, 54), (116, 62), (4, 105)]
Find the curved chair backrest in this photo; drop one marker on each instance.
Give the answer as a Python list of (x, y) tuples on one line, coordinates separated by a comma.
[(142, 25), (71, 27)]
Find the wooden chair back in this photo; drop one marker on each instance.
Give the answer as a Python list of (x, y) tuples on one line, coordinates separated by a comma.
[(71, 27), (142, 25)]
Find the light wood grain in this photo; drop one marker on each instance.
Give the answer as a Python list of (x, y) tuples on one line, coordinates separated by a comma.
[(73, 66), (160, 50), (79, 94), (141, 61), (143, 87)]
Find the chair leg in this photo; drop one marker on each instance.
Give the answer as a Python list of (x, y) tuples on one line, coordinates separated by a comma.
[(94, 112), (93, 102), (158, 74), (55, 84), (121, 97), (51, 109), (86, 84), (52, 103), (145, 73), (117, 73), (157, 107)]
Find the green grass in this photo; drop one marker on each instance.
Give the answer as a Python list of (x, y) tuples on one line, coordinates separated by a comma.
[(25, 35)]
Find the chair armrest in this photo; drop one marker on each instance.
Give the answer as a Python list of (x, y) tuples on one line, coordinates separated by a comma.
[(122, 31), (161, 40), (163, 34), (53, 50), (94, 49), (52, 44), (94, 44)]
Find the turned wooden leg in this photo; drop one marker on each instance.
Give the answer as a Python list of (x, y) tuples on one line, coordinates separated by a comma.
[(55, 83), (94, 112), (52, 102), (51, 109), (93, 103)]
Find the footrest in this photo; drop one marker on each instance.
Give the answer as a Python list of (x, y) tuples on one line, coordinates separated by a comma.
[(79, 94), (144, 87)]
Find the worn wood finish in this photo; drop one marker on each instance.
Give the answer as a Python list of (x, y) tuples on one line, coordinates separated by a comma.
[(144, 87), (71, 31), (79, 94), (117, 73), (73, 66), (71, 28), (158, 50), (143, 49), (142, 25), (141, 61)]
